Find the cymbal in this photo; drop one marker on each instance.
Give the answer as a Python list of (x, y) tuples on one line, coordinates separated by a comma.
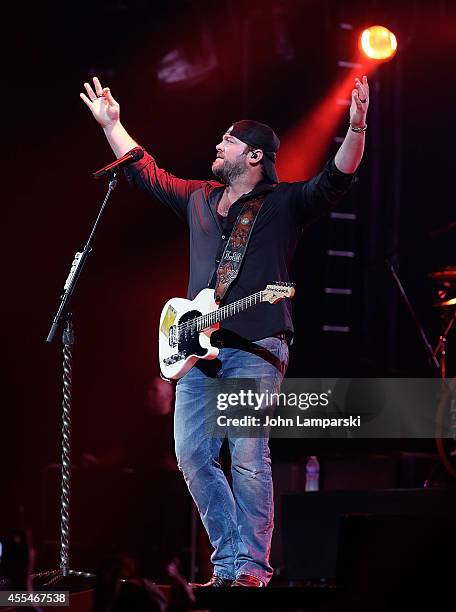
[(451, 302), (445, 274)]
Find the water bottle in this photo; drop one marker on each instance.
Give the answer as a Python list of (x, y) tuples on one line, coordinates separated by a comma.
[(312, 473)]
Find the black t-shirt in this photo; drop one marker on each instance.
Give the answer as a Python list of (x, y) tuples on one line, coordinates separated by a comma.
[(288, 208)]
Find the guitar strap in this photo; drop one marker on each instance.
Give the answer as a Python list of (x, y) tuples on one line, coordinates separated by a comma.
[(235, 248)]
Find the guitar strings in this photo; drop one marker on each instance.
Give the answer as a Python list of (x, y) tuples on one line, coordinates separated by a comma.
[(182, 327), (193, 323)]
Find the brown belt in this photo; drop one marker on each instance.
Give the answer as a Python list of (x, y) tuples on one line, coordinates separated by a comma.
[(228, 339)]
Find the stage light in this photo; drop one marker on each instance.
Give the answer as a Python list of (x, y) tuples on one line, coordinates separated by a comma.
[(378, 43)]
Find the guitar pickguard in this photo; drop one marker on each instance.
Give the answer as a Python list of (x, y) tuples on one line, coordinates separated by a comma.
[(188, 342), (168, 320)]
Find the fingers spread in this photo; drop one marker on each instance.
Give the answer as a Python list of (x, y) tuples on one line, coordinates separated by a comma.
[(363, 90), (90, 92), (360, 88), (98, 88), (86, 99), (355, 95)]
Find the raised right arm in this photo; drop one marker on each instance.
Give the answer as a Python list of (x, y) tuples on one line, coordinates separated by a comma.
[(107, 113), (171, 191)]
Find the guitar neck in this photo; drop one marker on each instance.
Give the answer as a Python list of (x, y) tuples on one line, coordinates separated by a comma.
[(225, 312)]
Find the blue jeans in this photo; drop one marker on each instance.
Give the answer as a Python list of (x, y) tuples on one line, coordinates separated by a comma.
[(239, 521)]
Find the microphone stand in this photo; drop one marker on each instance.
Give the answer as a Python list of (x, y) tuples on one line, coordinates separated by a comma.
[(64, 316)]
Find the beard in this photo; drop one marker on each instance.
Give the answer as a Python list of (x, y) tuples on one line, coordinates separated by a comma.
[(229, 171)]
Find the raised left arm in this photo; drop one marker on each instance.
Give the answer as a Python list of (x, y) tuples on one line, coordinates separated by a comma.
[(350, 153)]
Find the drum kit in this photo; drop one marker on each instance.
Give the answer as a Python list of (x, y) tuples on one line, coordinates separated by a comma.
[(445, 282)]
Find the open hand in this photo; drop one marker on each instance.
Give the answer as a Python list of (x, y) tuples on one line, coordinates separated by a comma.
[(103, 106), (359, 103)]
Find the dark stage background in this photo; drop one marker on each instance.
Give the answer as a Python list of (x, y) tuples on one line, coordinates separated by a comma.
[(270, 60)]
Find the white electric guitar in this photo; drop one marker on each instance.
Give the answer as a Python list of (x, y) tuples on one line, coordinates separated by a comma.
[(187, 325)]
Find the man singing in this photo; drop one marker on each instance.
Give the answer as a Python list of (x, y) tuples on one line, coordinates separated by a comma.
[(254, 343)]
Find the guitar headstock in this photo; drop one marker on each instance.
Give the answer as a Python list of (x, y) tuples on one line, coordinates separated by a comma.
[(278, 291)]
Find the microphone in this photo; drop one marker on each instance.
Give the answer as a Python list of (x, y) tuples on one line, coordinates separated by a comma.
[(131, 156)]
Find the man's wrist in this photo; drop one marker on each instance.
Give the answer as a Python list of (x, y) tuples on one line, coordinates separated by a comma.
[(112, 126), (358, 128)]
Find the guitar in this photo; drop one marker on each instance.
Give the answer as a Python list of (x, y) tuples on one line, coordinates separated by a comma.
[(186, 326)]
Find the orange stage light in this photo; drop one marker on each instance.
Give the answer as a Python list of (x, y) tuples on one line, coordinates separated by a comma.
[(378, 43), (303, 150)]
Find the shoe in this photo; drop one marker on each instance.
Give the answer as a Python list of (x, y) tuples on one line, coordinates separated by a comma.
[(244, 580), (215, 581)]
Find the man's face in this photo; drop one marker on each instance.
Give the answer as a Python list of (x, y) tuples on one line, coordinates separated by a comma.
[(231, 160)]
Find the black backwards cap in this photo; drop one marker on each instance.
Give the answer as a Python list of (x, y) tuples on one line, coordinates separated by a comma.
[(260, 136)]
